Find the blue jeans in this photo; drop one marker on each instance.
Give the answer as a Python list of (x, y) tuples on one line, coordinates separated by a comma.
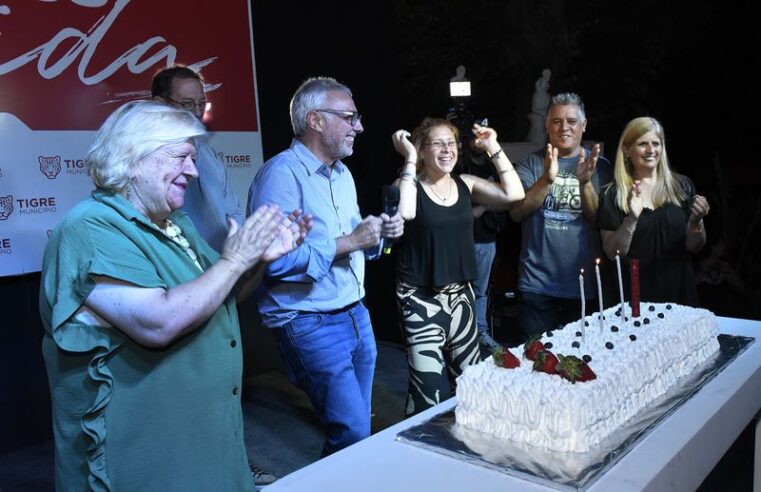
[(485, 253), (331, 356)]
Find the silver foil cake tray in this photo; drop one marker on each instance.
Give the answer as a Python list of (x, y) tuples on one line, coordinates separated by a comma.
[(564, 471)]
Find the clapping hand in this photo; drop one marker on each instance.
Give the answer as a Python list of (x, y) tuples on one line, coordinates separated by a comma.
[(291, 233), (635, 200), (698, 209), (585, 169), (551, 163), (245, 244), (266, 235)]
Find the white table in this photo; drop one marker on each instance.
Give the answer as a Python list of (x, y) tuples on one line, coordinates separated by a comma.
[(677, 455)]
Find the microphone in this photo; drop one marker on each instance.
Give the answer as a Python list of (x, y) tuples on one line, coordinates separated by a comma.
[(390, 207)]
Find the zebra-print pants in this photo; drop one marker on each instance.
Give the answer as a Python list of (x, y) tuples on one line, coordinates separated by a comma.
[(439, 328)]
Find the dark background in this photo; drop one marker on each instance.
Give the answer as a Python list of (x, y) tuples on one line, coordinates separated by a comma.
[(688, 67)]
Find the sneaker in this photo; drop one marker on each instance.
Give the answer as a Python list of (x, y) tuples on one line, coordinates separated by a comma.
[(261, 477), (488, 342)]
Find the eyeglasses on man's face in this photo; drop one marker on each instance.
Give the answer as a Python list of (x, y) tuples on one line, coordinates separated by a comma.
[(443, 144), (351, 117), (190, 104)]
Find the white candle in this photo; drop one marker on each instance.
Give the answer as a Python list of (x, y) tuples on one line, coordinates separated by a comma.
[(620, 287), (599, 290), (583, 303)]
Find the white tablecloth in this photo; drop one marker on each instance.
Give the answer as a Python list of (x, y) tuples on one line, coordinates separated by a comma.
[(677, 455)]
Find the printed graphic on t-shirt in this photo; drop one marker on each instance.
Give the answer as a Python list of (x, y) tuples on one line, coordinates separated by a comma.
[(563, 202)]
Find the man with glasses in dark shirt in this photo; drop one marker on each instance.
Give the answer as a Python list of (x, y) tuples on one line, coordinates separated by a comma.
[(313, 298)]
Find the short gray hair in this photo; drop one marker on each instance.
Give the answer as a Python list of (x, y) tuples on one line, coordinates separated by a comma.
[(568, 99), (132, 132), (310, 96)]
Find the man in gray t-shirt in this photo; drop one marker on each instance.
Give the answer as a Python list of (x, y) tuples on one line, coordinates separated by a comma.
[(558, 238)]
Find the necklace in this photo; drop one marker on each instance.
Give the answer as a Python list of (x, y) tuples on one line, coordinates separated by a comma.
[(442, 198), (174, 233)]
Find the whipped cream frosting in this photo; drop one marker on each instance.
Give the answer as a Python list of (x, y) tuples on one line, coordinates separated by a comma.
[(548, 411)]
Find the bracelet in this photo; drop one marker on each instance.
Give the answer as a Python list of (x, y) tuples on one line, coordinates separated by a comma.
[(410, 163), (496, 154), (407, 176), (701, 227)]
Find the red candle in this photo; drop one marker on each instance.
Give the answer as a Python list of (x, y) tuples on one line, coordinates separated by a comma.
[(634, 301)]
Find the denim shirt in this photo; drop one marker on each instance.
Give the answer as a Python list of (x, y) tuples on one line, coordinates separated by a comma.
[(210, 199), (311, 278)]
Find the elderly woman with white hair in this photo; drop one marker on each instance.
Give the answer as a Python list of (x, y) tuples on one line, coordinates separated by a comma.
[(142, 342), (653, 214)]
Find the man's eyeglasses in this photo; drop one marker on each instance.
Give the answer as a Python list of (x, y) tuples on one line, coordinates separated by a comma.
[(351, 117), (190, 105), (440, 144)]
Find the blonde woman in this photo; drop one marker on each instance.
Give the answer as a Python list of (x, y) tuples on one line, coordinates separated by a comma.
[(653, 214), (436, 256)]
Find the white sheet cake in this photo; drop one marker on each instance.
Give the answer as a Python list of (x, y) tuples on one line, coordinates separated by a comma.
[(635, 362)]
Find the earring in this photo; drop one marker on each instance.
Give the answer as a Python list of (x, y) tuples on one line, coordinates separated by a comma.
[(128, 188)]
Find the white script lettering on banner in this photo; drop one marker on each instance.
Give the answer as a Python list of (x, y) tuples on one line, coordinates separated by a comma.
[(65, 65), (86, 45)]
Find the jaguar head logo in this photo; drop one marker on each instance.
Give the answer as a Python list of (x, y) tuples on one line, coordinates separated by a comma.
[(6, 206), (50, 166)]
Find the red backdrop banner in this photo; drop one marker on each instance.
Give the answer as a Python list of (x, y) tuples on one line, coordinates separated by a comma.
[(67, 64)]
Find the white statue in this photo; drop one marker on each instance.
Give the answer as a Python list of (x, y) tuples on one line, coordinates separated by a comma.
[(541, 98), (539, 103), (459, 74)]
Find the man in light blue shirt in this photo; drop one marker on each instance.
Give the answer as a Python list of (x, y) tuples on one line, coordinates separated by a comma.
[(210, 199), (312, 297)]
